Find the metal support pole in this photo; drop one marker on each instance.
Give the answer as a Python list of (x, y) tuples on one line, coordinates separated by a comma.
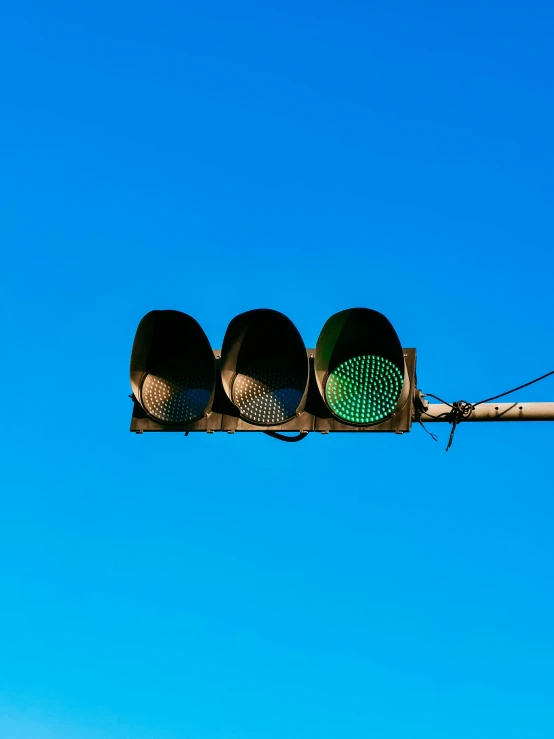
[(493, 412)]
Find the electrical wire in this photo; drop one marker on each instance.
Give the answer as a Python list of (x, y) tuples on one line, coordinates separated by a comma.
[(508, 392), (461, 410), (290, 439), (433, 436), (436, 397)]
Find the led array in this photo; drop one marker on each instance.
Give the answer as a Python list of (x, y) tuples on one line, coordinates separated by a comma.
[(267, 394), (364, 389), (178, 399)]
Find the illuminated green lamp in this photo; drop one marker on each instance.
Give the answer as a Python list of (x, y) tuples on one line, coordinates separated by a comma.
[(364, 389)]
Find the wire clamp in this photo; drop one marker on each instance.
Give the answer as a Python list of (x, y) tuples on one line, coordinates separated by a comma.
[(461, 410)]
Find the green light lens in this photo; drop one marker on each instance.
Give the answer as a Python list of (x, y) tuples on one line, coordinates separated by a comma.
[(364, 389)]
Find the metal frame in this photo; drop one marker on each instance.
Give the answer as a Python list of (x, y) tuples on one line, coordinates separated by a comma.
[(316, 417)]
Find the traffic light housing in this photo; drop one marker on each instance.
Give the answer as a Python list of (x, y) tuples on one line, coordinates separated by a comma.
[(361, 373), (358, 378), (173, 372), (264, 370)]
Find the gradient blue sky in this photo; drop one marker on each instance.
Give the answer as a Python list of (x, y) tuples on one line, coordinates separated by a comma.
[(308, 157)]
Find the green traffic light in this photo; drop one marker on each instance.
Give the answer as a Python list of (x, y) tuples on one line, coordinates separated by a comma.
[(364, 389)]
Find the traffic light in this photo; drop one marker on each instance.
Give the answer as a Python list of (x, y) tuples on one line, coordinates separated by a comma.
[(358, 378), (173, 371), (264, 369), (361, 373)]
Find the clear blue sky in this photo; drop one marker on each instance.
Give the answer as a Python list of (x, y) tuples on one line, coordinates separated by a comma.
[(308, 157)]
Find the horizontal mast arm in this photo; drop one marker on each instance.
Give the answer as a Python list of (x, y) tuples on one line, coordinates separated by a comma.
[(434, 413)]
